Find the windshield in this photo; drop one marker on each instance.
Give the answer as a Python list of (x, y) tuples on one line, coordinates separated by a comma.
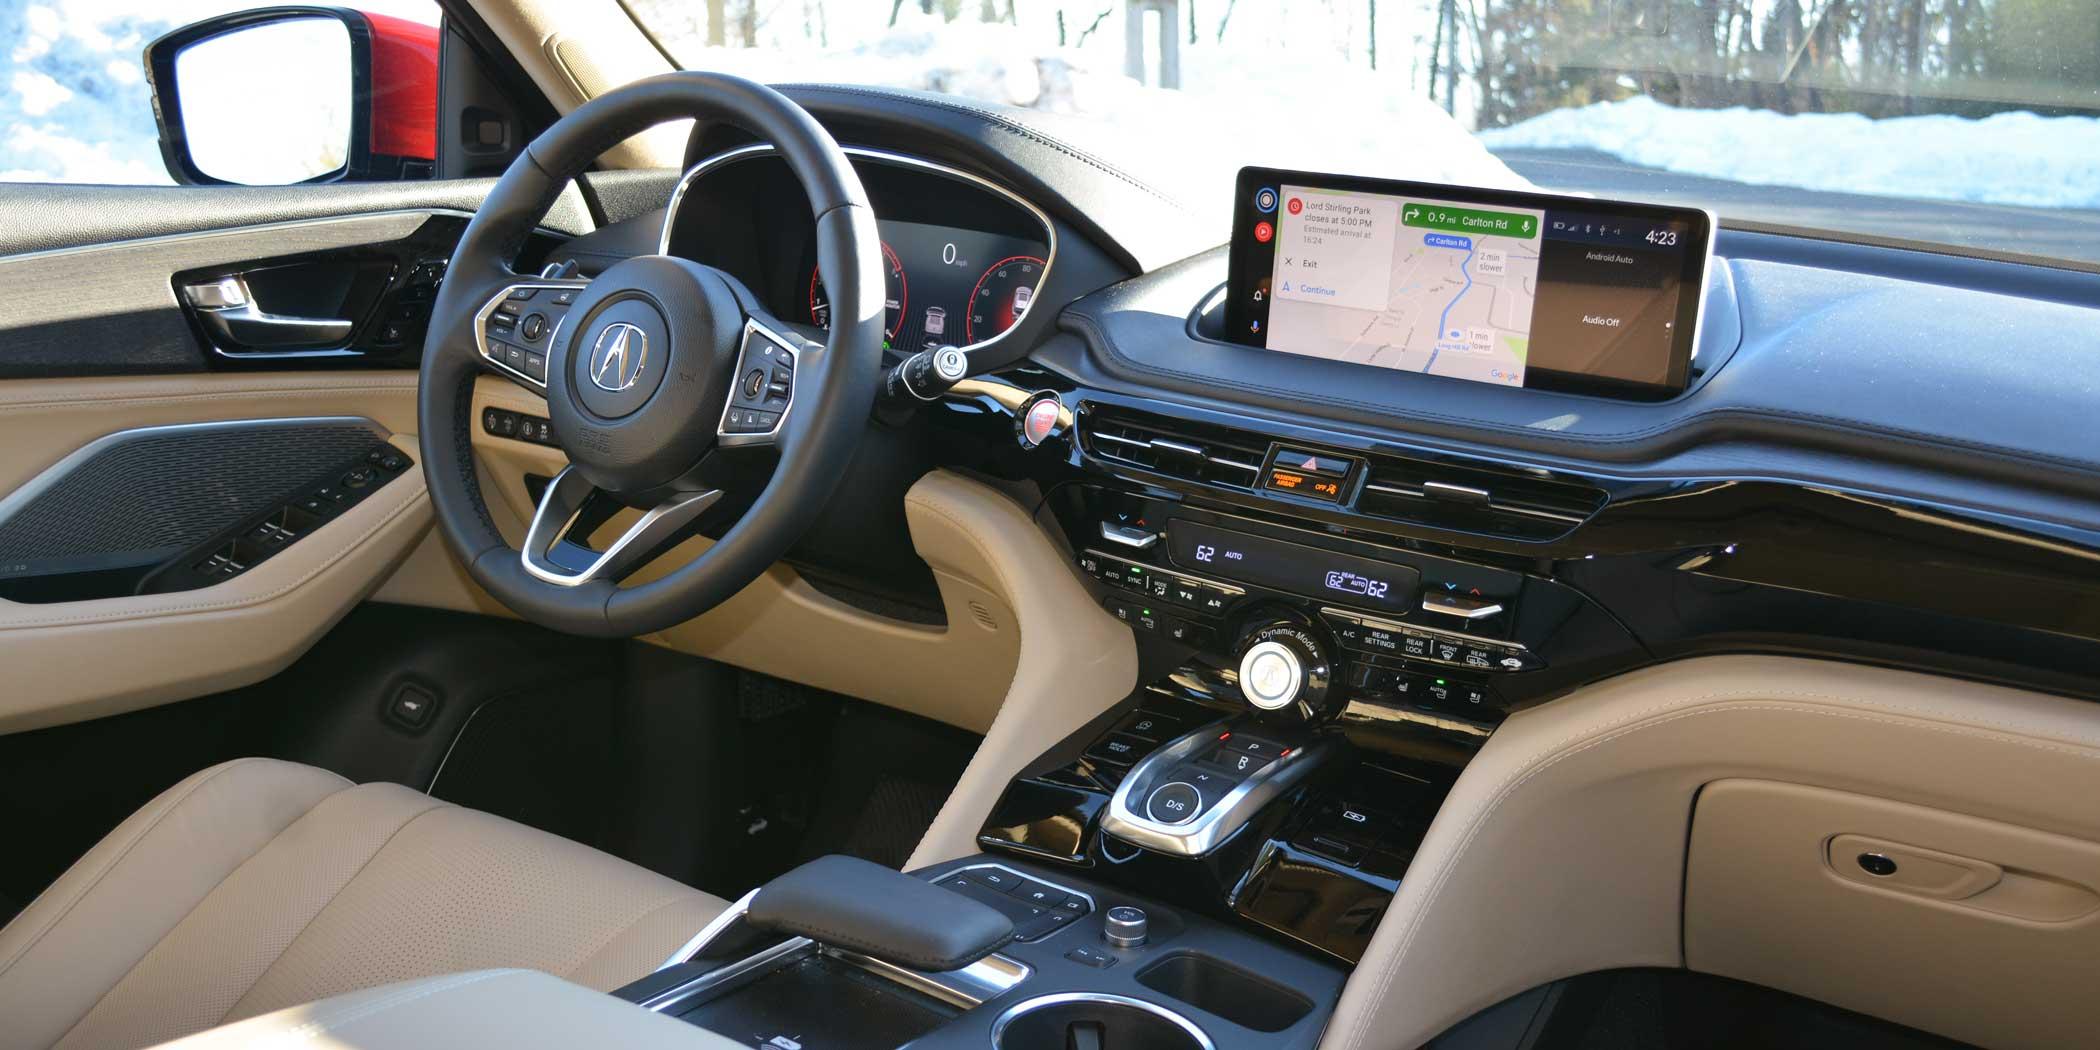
[(1969, 123)]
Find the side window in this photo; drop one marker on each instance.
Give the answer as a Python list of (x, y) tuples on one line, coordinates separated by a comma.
[(152, 92)]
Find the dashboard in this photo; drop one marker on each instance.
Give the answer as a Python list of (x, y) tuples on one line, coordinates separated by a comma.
[(1833, 431), (1390, 561), (963, 258)]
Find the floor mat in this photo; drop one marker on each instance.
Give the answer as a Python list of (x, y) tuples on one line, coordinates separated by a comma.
[(1680, 1010), (837, 775), (793, 773), (892, 820)]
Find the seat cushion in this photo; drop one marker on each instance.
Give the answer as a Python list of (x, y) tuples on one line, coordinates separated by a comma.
[(257, 885), (483, 1010)]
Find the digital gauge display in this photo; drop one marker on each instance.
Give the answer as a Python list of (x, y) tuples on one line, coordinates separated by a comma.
[(946, 285), (896, 296)]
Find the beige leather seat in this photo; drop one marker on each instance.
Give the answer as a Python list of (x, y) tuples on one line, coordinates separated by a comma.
[(257, 885)]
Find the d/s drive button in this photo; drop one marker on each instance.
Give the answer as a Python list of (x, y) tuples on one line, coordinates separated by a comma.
[(1174, 803)]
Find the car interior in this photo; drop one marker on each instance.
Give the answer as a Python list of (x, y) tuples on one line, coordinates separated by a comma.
[(631, 556)]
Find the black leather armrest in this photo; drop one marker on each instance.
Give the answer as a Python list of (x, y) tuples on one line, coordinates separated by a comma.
[(867, 908)]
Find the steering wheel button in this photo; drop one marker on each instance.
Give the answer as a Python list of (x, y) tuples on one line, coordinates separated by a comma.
[(508, 308), (523, 294), (755, 383), (533, 327)]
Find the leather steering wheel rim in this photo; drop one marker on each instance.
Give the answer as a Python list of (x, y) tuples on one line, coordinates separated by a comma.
[(834, 385)]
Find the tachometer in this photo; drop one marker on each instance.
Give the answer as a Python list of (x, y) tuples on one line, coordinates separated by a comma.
[(894, 296), (1002, 296)]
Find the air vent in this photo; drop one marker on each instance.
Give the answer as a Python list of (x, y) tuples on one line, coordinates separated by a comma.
[(1190, 451), (1464, 499)]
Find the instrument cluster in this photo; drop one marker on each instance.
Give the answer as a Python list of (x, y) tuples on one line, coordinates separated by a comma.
[(963, 259)]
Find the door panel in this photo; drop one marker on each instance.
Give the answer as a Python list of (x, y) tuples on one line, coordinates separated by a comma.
[(71, 660), (35, 217), (179, 513), (114, 309)]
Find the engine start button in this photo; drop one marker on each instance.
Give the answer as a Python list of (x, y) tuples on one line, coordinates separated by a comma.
[(1040, 420)]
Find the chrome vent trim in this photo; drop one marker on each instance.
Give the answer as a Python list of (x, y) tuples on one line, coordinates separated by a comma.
[(1212, 456), (1476, 500)]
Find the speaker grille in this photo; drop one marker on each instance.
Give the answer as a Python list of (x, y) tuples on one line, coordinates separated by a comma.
[(161, 488)]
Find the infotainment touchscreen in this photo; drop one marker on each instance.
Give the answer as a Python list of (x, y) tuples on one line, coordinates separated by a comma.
[(1519, 289)]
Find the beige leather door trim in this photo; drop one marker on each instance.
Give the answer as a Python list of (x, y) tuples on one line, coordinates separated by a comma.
[(72, 661), (1561, 849)]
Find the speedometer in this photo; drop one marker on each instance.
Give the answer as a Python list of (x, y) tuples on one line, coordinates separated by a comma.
[(1001, 296), (895, 294)]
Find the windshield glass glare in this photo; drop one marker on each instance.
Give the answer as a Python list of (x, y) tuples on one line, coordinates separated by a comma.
[(1971, 123)]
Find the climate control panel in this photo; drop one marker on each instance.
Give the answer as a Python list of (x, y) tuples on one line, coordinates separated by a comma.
[(1298, 623)]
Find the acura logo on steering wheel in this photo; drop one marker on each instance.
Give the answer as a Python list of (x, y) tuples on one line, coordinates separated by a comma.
[(617, 356)]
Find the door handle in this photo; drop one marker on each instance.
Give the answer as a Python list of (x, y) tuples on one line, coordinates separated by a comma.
[(238, 323)]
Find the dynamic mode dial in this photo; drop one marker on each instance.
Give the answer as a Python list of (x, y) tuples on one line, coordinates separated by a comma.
[(1284, 667)]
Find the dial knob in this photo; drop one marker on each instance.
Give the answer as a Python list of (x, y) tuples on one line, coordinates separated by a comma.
[(1283, 666), (1124, 926)]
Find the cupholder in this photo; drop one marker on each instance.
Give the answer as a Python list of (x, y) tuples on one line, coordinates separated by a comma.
[(1090, 1021)]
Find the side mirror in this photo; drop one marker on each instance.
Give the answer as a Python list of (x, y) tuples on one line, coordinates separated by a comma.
[(281, 95)]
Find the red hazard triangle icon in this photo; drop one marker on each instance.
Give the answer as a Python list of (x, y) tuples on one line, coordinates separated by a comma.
[(1311, 463)]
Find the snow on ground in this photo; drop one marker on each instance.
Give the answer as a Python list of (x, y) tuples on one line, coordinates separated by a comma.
[(2008, 158), (74, 106)]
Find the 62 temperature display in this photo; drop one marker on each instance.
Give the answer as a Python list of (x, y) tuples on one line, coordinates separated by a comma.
[(1351, 583)]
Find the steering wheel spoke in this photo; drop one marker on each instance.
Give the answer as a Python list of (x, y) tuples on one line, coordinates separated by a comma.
[(763, 392), (516, 329), (554, 549)]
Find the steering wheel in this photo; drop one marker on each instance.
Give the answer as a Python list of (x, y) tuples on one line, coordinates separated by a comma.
[(666, 381)]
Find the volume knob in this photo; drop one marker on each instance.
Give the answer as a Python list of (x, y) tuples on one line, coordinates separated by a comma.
[(1124, 926)]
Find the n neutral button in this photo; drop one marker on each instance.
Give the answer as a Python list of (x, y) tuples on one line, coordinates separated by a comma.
[(1175, 803)]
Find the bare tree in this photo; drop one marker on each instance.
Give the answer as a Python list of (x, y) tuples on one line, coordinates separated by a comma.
[(747, 23), (1095, 24), (1436, 46), (1370, 37)]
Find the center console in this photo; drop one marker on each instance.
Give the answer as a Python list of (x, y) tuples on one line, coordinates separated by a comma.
[(1088, 964), (1311, 689)]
